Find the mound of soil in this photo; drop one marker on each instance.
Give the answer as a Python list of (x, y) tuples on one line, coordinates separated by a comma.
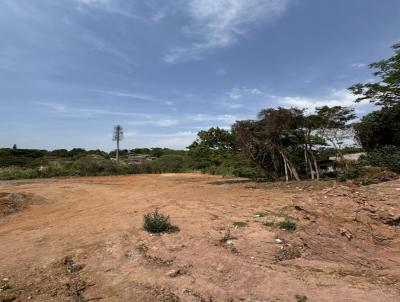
[(14, 202)]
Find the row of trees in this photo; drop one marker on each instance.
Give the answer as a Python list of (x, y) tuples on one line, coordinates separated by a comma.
[(287, 143), (281, 142)]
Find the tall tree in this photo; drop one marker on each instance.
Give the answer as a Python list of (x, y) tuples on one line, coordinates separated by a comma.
[(381, 127), (386, 91), (211, 147), (334, 125), (118, 136)]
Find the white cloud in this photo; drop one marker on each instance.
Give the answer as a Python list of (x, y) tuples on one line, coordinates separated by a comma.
[(238, 92), (154, 121), (358, 65), (110, 6), (175, 140), (64, 110), (235, 93), (219, 23), (335, 98), (137, 96), (227, 118)]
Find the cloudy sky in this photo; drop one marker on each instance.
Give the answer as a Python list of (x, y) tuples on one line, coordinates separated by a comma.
[(164, 69)]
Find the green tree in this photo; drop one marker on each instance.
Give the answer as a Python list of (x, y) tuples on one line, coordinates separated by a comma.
[(381, 127), (386, 91), (211, 147)]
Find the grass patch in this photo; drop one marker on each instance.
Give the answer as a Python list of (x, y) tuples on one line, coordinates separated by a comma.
[(240, 224), (287, 224), (156, 222)]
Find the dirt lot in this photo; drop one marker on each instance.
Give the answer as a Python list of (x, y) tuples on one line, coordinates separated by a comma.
[(81, 239)]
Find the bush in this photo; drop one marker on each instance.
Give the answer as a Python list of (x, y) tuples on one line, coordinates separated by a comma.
[(287, 224), (387, 156), (352, 170), (301, 298), (18, 173), (156, 222)]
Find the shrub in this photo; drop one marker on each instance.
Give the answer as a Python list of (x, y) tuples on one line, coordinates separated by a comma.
[(387, 156), (156, 222), (301, 298), (287, 224), (352, 170), (18, 173)]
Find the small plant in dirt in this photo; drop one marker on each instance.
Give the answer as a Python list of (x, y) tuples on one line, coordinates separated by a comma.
[(7, 298), (240, 224), (156, 222), (288, 225), (227, 237), (301, 298)]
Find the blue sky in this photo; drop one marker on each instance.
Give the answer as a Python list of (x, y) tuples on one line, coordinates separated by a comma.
[(164, 69)]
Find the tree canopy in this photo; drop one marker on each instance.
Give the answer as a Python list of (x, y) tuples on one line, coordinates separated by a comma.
[(386, 91)]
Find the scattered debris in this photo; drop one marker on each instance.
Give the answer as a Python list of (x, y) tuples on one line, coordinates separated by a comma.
[(240, 224), (346, 233)]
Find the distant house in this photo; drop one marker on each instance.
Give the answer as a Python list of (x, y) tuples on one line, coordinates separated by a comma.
[(348, 157), (331, 164)]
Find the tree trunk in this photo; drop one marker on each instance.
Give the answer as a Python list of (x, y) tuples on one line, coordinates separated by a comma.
[(291, 167), (315, 164), (117, 153), (308, 162), (285, 165)]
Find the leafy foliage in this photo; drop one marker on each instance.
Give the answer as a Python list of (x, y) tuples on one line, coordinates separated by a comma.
[(352, 170), (156, 222), (385, 92), (287, 224), (214, 152), (379, 128), (387, 156)]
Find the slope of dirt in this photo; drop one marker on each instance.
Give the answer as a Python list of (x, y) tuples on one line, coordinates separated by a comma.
[(11, 203), (86, 242)]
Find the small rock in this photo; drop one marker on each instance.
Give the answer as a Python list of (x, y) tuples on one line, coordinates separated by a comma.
[(229, 242), (277, 240), (174, 273)]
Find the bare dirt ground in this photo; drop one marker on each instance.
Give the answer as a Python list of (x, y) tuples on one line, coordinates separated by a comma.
[(81, 239)]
